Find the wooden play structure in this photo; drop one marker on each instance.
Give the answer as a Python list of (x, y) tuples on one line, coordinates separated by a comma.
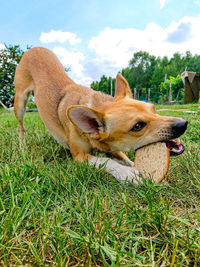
[(191, 81)]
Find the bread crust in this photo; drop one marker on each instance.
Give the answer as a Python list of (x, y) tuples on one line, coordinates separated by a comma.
[(141, 160)]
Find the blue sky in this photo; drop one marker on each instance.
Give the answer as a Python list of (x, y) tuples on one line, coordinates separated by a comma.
[(99, 37)]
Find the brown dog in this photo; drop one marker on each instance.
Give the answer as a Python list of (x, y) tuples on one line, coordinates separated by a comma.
[(82, 119)]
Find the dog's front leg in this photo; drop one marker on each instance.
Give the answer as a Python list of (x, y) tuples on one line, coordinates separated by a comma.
[(80, 150), (122, 159), (120, 172)]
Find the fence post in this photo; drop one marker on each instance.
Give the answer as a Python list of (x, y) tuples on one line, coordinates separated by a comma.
[(170, 94), (135, 93), (149, 93)]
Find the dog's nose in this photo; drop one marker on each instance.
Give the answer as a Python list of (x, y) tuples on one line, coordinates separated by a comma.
[(178, 128)]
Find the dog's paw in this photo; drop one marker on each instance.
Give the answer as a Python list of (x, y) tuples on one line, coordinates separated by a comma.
[(126, 162), (126, 174), (120, 172)]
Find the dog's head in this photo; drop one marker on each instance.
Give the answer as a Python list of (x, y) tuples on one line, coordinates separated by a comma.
[(126, 124)]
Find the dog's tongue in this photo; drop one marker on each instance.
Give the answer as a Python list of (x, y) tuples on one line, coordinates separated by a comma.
[(175, 147)]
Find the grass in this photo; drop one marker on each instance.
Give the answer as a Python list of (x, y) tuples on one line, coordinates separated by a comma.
[(54, 212)]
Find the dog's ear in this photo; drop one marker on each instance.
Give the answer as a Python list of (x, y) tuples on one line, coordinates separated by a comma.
[(122, 88), (89, 120)]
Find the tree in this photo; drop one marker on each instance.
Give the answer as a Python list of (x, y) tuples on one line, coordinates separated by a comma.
[(177, 88), (193, 63), (9, 58), (95, 85), (140, 71), (104, 85), (157, 77), (143, 64), (146, 71)]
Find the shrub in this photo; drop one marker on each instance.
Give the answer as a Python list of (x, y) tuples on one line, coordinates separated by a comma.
[(9, 58)]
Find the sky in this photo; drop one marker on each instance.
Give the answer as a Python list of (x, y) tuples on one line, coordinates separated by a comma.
[(96, 37)]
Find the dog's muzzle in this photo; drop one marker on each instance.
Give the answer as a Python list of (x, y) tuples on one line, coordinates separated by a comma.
[(178, 128), (175, 146)]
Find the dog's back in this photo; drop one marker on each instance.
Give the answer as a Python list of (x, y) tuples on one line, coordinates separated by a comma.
[(40, 71)]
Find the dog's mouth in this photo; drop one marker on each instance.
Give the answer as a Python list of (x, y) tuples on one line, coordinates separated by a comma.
[(175, 147)]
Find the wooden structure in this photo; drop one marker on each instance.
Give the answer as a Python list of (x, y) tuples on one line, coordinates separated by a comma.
[(3, 105), (191, 81)]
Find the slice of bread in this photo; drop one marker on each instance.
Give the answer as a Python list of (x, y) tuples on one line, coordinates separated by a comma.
[(152, 161)]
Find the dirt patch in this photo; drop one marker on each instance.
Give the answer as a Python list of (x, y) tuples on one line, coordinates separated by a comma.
[(183, 110), (163, 109)]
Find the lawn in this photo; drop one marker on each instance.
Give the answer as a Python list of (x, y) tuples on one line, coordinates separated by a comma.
[(54, 212)]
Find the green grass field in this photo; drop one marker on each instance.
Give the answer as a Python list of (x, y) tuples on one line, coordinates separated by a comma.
[(54, 212)]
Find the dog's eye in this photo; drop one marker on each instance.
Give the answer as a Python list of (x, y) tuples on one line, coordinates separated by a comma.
[(138, 126)]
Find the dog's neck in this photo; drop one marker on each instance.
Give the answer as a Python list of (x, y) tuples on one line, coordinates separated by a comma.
[(83, 96), (97, 99)]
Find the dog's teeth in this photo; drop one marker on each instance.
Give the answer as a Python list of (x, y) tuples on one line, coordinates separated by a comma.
[(178, 142)]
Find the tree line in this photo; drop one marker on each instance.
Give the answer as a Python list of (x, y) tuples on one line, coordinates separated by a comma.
[(158, 74), (145, 73)]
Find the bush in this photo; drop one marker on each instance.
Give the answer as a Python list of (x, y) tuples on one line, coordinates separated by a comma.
[(177, 88), (9, 58)]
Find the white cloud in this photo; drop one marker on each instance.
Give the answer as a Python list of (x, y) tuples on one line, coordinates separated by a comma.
[(73, 59), (60, 37), (162, 3), (116, 46), (2, 46)]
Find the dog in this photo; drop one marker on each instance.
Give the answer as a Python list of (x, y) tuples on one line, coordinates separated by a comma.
[(82, 119)]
